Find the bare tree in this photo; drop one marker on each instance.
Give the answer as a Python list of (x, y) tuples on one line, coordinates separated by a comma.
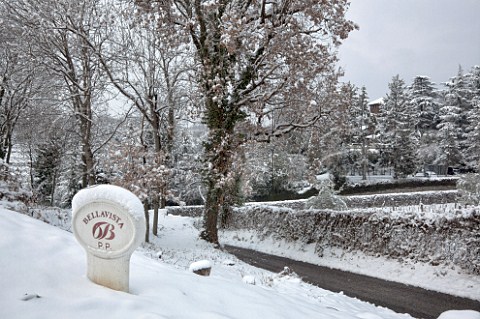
[(136, 170), (59, 31), (149, 71), (17, 89)]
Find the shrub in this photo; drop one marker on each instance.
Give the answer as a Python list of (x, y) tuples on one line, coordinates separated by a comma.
[(469, 189), (326, 198)]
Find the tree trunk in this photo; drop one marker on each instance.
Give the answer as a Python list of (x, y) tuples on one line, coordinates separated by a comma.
[(54, 183), (219, 154), (364, 160), (88, 166), (147, 221), (155, 213), (155, 122), (210, 216), (9, 146)]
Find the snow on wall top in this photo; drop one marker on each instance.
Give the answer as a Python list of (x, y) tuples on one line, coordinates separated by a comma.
[(112, 193)]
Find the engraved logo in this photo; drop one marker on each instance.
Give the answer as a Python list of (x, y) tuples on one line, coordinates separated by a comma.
[(103, 230)]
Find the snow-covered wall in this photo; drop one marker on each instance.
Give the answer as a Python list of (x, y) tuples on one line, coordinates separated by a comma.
[(186, 211), (401, 199), (358, 201), (385, 224), (438, 238)]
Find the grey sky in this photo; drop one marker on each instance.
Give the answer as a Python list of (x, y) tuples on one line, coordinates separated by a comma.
[(409, 38)]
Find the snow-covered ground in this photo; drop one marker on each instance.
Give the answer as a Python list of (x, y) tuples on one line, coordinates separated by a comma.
[(43, 275)]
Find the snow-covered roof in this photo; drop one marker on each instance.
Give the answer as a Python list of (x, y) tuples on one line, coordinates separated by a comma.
[(377, 101)]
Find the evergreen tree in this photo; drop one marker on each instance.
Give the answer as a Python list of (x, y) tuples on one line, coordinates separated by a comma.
[(46, 168), (399, 128), (423, 98), (462, 98), (385, 137), (363, 130), (472, 154), (469, 189), (340, 143), (405, 145), (450, 131)]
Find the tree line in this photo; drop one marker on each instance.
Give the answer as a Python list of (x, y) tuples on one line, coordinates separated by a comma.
[(420, 125), (416, 128)]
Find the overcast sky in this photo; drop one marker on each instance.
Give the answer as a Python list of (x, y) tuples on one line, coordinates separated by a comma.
[(409, 38)]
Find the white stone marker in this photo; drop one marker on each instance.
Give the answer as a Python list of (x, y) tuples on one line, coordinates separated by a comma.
[(109, 222)]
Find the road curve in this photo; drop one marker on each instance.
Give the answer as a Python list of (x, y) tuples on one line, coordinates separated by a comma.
[(418, 302)]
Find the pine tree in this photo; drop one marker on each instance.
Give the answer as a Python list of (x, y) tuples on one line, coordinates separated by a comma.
[(460, 88), (399, 128), (326, 198), (46, 170), (385, 137), (423, 98), (472, 154), (363, 130), (450, 130), (405, 144)]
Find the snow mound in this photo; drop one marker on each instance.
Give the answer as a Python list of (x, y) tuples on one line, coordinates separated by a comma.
[(200, 265)]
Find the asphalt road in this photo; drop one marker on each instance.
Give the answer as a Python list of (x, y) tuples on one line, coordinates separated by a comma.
[(417, 302)]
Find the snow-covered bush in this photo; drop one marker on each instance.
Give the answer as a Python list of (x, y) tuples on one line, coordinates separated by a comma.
[(12, 193), (352, 202), (59, 217), (189, 211), (326, 198), (469, 189), (413, 184)]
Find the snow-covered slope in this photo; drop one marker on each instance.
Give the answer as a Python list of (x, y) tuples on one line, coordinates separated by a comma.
[(42, 275)]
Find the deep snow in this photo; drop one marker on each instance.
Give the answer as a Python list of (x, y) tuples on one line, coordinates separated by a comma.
[(43, 275)]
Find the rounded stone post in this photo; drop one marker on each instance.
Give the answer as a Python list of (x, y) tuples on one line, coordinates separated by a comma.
[(109, 223)]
